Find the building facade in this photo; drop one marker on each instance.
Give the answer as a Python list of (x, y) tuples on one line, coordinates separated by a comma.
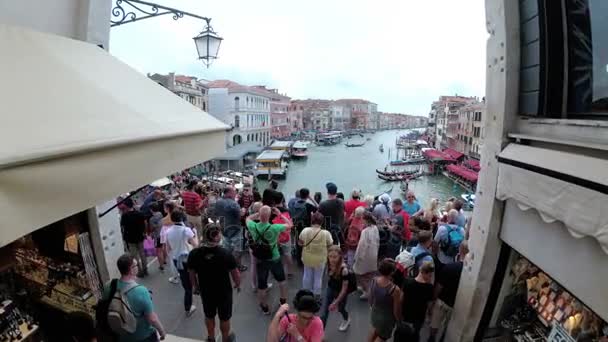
[(246, 109), (188, 88), (279, 112), (470, 129), (446, 117)]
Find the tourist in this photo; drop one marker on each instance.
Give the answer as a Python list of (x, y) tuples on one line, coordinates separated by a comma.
[(446, 288), (355, 225), (215, 290), (304, 326), (134, 225), (269, 193), (180, 240), (155, 196), (416, 295), (449, 205), (253, 209), (417, 225), (149, 327), (461, 220), (167, 223), (193, 204), (448, 238), (293, 200), (401, 219), (333, 210), (318, 197), (366, 255), (245, 201), (227, 210), (155, 227), (382, 211), (422, 252), (411, 205), (432, 214), (384, 298), (300, 213), (314, 241), (265, 233), (353, 203), (284, 236), (340, 195), (369, 202), (336, 294)]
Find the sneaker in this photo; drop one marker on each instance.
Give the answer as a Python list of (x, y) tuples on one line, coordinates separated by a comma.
[(265, 309), (268, 286), (344, 325), (174, 280), (191, 311)]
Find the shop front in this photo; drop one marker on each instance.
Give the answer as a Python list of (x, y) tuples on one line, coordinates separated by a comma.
[(98, 130)]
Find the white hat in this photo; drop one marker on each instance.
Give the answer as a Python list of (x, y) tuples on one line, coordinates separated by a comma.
[(385, 198)]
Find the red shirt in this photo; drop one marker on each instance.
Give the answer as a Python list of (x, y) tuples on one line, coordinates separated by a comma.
[(407, 233), (285, 235), (192, 202), (351, 205)]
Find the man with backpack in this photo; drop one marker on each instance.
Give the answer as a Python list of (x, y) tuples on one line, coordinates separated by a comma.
[(264, 239), (126, 309), (301, 212), (448, 238)]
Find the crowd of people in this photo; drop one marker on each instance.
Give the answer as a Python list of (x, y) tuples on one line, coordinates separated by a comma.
[(403, 258)]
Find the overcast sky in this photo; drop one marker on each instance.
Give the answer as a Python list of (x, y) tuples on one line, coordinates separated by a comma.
[(401, 54)]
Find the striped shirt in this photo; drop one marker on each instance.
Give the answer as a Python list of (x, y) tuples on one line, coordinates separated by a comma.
[(192, 201)]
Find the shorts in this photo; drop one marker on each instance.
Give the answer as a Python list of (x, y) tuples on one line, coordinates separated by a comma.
[(233, 244), (263, 267), (217, 305), (285, 248), (195, 222)]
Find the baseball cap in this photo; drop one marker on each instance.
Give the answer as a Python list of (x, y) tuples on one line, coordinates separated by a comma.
[(332, 189)]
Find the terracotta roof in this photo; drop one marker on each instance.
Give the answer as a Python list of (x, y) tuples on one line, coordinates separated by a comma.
[(353, 101), (236, 87), (184, 79)]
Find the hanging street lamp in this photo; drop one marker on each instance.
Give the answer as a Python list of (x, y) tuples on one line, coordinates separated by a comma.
[(207, 42)]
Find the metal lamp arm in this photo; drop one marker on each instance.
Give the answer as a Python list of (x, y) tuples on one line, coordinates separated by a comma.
[(122, 16)]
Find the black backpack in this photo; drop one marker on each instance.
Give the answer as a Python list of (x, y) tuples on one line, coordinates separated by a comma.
[(260, 247), (299, 213)]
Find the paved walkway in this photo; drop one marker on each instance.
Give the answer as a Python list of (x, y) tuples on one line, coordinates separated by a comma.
[(247, 322)]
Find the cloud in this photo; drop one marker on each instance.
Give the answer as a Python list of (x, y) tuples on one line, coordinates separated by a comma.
[(399, 54)]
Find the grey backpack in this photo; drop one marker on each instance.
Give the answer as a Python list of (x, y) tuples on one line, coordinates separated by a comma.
[(121, 318)]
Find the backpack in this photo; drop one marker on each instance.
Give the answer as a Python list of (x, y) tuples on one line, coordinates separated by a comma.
[(260, 247), (451, 243), (120, 318), (299, 213), (413, 270)]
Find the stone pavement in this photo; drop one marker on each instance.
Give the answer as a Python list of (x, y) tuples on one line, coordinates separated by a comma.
[(248, 323)]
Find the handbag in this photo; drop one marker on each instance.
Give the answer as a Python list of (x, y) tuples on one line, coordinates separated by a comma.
[(149, 248)]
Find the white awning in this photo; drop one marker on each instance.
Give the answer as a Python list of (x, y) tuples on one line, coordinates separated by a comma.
[(80, 127), (561, 186)]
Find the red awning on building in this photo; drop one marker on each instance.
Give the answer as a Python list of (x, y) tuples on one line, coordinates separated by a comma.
[(473, 164), (453, 153), (434, 154), (463, 172)]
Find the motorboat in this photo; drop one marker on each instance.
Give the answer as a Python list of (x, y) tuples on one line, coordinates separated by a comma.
[(354, 145), (299, 149), (271, 164), (329, 138), (469, 199)]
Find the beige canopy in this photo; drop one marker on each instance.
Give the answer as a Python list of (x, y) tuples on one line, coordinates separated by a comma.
[(79, 127)]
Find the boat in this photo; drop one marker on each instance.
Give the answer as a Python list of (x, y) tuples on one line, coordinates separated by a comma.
[(271, 164), (354, 145), (329, 138), (414, 160), (401, 178), (469, 199), (381, 148), (299, 149), (396, 173)]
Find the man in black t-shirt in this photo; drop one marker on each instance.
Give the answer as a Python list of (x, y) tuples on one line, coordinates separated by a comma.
[(133, 227), (211, 268), (333, 210), (446, 288)]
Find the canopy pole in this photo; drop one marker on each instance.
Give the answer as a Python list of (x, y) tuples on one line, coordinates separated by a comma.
[(121, 201)]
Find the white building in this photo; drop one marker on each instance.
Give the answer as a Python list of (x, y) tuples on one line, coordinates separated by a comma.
[(339, 116), (246, 109)]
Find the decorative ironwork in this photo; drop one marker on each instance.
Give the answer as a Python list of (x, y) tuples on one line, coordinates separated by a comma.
[(122, 14)]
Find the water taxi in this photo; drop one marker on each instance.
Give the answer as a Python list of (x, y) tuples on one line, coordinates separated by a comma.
[(329, 138), (271, 163), (299, 149), (279, 145)]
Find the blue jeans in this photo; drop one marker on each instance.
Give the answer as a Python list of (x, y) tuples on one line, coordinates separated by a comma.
[(330, 296)]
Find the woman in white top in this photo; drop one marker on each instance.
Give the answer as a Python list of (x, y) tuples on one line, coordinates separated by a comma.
[(366, 255), (314, 241)]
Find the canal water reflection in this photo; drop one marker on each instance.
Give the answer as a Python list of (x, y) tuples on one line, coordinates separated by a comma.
[(355, 167)]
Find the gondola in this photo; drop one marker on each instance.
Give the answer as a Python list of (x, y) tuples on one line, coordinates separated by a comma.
[(400, 178), (415, 160), (396, 173), (354, 145)]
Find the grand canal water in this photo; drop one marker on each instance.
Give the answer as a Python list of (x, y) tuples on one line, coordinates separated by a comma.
[(354, 167)]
